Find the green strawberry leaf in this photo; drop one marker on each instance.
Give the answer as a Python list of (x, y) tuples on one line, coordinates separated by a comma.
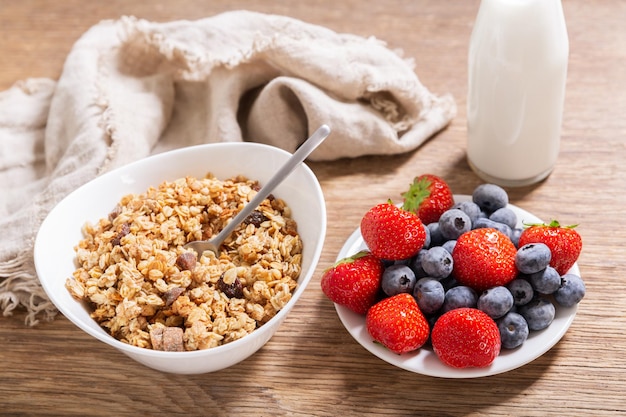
[(554, 223), (418, 191), (348, 259)]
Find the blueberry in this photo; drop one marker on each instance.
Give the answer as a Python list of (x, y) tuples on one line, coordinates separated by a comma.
[(436, 238), (538, 313), (532, 257), (398, 278), (387, 262), (545, 281), (415, 263), (470, 208), (571, 291), (521, 290), (504, 215), (513, 330), (515, 234), (496, 301), (431, 319), (453, 223), (437, 262), (449, 282), (490, 197), (449, 245), (460, 296), (429, 294), (427, 240), (485, 222)]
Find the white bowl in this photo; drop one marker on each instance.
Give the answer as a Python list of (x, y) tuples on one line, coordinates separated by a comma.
[(61, 231)]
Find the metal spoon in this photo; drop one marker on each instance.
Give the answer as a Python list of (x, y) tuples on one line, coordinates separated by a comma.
[(294, 160)]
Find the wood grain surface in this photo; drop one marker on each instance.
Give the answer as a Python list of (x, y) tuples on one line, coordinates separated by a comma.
[(312, 366)]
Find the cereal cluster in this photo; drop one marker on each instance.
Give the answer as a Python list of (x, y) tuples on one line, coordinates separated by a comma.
[(146, 289)]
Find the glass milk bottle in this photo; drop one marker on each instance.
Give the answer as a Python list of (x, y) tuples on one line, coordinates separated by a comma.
[(517, 69)]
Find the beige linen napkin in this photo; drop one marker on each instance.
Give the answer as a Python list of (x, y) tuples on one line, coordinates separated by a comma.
[(131, 88)]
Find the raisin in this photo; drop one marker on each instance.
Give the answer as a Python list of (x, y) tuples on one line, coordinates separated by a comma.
[(291, 227), (234, 290), (255, 218), (117, 210), (172, 294), (186, 261), (207, 231), (124, 230)]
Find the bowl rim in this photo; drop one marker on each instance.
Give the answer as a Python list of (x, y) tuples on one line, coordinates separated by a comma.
[(103, 336)]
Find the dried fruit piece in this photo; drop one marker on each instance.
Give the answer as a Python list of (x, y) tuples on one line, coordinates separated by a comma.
[(186, 261), (168, 339), (232, 290)]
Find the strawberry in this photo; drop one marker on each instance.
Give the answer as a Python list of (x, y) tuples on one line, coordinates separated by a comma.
[(564, 242), (466, 337), (392, 233), (398, 323), (428, 197), (484, 258), (354, 281)]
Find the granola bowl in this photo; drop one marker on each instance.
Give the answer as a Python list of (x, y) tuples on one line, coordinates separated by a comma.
[(111, 255)]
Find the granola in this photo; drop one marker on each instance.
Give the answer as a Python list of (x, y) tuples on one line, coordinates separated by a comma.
[(147, 290)]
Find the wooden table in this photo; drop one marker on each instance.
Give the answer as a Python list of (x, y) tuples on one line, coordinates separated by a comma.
[(312, 366)]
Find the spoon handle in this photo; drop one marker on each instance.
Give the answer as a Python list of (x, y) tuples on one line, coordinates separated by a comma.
[(294, 160)]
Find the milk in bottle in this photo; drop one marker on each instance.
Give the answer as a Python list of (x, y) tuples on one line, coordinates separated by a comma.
[(517, 71)]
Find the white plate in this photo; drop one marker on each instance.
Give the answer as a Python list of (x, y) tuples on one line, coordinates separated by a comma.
[(424, 361)]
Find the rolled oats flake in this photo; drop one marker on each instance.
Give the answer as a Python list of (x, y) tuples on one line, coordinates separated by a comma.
[(147, 290)]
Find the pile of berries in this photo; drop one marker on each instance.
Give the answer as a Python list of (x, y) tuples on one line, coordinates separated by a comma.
[(460, 276)]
